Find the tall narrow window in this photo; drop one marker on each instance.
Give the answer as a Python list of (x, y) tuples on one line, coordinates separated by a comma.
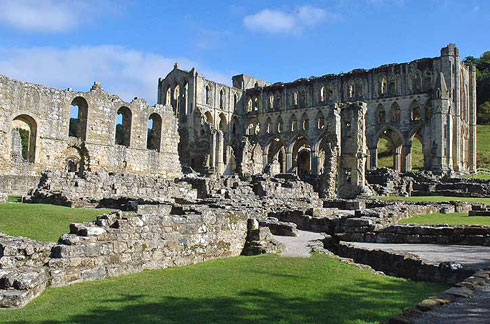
[(168, 96), (78, 118), (24, 134), (207, 95), (322, 94), (235, 101), (154, 132), (222, 99), (123, 127)]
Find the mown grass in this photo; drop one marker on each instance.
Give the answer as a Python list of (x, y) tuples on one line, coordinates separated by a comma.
[(435, 199), (450, 219), (385, 154), (14, 199), (42, 222), (483, 146), (262, 289)]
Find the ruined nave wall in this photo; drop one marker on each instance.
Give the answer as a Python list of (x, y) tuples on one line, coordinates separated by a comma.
[(44, 113)]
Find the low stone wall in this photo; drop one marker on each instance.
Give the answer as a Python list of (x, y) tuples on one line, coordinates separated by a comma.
[(18, 185), (403, 265), (155, 237), (442, 234), (100, 189)]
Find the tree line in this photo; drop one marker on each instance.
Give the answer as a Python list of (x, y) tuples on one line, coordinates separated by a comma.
[(482, 86)]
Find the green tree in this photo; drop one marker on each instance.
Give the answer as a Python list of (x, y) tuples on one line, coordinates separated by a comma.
[(482, 65)]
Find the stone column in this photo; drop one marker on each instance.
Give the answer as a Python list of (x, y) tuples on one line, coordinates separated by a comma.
[(314, 162), (212, 153), (407, 158), (289, 160), (472, 120), (219, 152), (396, 159), (373, 152)]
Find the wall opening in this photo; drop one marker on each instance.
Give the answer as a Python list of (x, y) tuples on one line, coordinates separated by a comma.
[(123, 127), (78, 118), (153, 141), (24, 134)]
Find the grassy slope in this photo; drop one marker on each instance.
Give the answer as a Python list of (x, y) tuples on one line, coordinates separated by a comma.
[(435, 199), (483, 146), (42, 222), (262, 289), (450, 219), (385, 157)]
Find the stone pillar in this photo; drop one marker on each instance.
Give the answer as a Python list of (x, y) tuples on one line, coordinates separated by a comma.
[(265, 158), (397, 159), (373, 156), (219, 152), (472, 120), (314, 162), (289, 160), (212, 153), (407, 158)]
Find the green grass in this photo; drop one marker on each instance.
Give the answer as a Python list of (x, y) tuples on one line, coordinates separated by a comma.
[(262, 289), (435, 199), (450, 219), (483, 146), (385, 154), (482, 176), (14, 199), (42, 222)]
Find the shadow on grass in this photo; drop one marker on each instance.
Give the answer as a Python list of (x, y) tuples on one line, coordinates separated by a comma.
[(367, 301)]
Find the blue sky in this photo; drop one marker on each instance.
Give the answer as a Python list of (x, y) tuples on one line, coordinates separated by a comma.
[(128, 44)]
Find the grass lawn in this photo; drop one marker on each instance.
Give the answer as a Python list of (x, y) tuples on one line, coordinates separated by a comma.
[(483, 176), (435, 199), (451, 219), (483, 146), (261, 289), (42, 222), (385, 154)]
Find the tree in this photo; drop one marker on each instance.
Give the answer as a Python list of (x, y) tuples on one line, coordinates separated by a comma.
[(482, 65)]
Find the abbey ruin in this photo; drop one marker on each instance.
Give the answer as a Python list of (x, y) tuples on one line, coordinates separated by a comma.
[(214, 171), (326, 127)]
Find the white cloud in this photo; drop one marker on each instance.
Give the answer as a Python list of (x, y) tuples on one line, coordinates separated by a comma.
[(125, 72), (277, 21), (49, 15)]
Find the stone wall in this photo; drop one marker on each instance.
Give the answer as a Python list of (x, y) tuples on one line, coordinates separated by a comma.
[(153, 237), (35, 132), (18, 184), (403, 265), (101, 189)]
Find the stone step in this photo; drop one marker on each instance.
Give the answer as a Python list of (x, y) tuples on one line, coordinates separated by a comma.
[(19, 286)]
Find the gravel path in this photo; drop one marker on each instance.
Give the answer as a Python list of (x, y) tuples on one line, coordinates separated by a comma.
[(297, 246), (472, 257), (474, 310)]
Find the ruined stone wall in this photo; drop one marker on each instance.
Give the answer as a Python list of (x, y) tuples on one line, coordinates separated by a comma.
[(18, 184), (44, 114), (430, 99), (155, 237), (101, 189)]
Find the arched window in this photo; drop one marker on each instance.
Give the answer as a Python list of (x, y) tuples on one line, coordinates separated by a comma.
[(294, 123), (383, 86), (320, 121), (24, 134), (395, 113), (295, 98), (279, 125), (249, 105), (256, 104), (168, 96), (268, 126), (351, 90), (176, 98), (271, 102), (392, 86), (322, 94), (306, 122), (223, 123), (78, 118), (416, 111), (123, 127), (222, 99), (154, 135), (207, 94)]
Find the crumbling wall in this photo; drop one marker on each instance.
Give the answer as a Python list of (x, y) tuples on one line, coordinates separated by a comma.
[(101, 189), (43, 115)]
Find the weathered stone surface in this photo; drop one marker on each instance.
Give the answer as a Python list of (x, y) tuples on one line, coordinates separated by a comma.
[(3, 198)]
